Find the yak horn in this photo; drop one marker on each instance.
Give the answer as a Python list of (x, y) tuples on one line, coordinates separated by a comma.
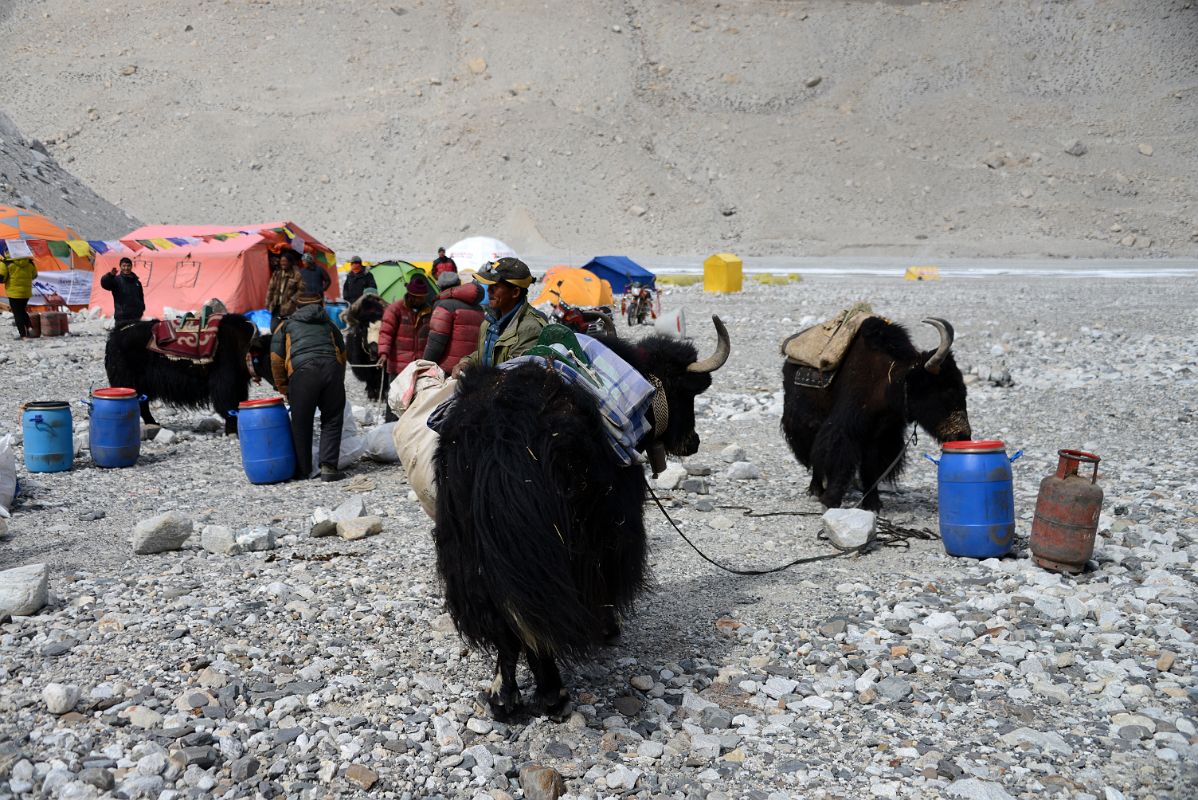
[(946, 342), (723, 348)]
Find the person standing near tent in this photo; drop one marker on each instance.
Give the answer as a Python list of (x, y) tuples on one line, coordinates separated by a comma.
[(307, 359), (17, 276), (316, 278), (403, 334), (357, 281), (454, 325), (128, 298), (283, 291), (443, 264), (512, 326)]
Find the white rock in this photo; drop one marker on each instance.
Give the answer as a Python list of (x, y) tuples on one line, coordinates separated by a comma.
[(1048, 742), (974, 789), (743, 471), (778, 686), (818, 703), (162, 533), (220, 540), (650, 749), (24, 590), (256, 539), (164, 436), (705, 746), (849, 527), (60, 698), (350, 509), (323, 523), (941, 620), (733, 453), (670, 477)]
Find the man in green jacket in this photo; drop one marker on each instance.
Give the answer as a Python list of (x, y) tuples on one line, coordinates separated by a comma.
[(512, 326), (307, 359)]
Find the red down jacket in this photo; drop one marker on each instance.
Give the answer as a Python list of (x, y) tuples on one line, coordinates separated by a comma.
[(453, 331), (403, 335)]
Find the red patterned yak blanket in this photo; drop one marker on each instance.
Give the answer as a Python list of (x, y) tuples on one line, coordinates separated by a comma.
[(186, 339)]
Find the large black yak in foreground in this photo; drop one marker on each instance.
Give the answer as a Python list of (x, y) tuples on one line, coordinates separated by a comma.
[(540, 533), (857, 424), (241, 354)]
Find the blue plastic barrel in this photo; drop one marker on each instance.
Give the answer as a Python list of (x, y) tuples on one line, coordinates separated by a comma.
[(48, 435), (336, 310), (115, 431), (264, 429), (977, 499)]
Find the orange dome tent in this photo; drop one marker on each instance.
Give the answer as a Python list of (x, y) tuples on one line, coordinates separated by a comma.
[(578, 287), (49, 247)]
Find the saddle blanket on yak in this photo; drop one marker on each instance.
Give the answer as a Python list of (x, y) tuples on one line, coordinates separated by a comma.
[(624, 397), (820, 348), (187, 339)]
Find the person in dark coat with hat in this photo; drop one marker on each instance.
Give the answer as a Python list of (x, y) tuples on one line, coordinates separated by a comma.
[(307, 359), (357, 281), (316, 278), (128, 298)]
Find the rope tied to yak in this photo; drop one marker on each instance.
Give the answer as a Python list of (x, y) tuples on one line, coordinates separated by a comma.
[(886, 532)]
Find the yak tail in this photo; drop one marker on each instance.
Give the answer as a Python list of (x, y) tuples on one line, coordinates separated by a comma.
[(534, 533)]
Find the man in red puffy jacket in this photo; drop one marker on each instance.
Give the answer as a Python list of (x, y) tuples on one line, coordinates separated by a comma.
[(403, 334), (457, 316)]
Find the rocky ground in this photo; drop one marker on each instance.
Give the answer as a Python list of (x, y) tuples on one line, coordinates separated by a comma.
[(327, 667)]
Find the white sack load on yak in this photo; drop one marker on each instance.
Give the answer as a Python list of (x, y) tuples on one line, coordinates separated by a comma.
[(414, 395)]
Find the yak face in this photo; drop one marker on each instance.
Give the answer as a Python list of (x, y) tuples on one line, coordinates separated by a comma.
[(936, 400), (683, 376)]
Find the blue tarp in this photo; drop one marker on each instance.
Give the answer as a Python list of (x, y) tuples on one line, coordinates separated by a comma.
[(620, 271)]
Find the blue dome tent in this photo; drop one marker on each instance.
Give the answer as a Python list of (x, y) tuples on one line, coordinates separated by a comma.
[(620, 271)]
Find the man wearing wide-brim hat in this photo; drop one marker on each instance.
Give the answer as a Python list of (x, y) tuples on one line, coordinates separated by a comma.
[(512, 326), (307, 359)]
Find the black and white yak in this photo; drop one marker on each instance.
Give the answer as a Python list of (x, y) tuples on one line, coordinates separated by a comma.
[(362, 322), (540, 534), (241, 354), (857, 424)]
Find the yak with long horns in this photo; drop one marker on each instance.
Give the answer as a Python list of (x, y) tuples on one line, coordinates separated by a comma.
[(856, 425), (241, 354), (540, 533)]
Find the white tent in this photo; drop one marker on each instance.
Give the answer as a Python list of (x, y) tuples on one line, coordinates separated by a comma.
[(472, 253)]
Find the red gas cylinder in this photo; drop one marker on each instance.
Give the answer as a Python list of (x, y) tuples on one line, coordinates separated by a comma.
[(55, 323), (35, 325), (1067, 511)]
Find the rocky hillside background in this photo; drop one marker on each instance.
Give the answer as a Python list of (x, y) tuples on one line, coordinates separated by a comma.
[(990, 128)]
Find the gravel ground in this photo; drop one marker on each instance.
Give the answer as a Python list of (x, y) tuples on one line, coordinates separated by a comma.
[(325, 666)]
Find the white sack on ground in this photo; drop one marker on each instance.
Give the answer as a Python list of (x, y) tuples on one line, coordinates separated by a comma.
[(353, 443), (380, 443)]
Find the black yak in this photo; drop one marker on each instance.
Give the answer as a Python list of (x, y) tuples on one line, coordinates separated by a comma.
[(362, 341), (857, 424), (241, 354), (539, 532)]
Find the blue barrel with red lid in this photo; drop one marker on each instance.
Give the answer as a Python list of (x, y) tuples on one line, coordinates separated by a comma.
[(976, 498), (264, 430), (114, 432)]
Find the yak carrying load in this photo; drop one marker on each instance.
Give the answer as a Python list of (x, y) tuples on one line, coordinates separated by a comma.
[(850, 388)]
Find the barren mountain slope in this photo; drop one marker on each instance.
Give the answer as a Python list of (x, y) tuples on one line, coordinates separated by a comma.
[(765, 127)]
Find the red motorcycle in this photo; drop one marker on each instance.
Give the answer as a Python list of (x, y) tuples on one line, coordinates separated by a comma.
[(591, 321), (637, 305)]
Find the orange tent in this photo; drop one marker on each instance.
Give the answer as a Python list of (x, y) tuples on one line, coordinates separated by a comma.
[(578, 287), (190, 266), (18, 224)]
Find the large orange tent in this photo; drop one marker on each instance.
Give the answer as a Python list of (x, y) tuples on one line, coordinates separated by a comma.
[(578, 287), (59, 266), (184, 266)]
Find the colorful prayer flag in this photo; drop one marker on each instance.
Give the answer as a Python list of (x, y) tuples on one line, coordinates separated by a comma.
[(80, 247), (162, 244), (147, 244), (38, 247), (59, 250)]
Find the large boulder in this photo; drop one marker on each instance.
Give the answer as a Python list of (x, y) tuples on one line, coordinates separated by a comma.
[(23, 590), (161, 534)]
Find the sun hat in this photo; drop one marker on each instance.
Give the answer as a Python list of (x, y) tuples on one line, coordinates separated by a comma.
[(505, 270)]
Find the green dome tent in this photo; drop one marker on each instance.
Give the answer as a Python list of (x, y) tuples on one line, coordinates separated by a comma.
[(392, 278)]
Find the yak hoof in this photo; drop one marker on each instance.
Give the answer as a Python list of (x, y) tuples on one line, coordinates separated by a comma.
[(830, 500), (871, 502), (504, 706), (557, 706), (814, 488)]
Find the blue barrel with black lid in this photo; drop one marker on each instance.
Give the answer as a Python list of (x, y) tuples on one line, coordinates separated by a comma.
[(976, 498), (48, 435), (264, 430)]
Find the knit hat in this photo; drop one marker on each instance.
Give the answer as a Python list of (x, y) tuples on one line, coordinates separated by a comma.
[(308, 298), (418, 286), (309, 259), (447, 280)]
